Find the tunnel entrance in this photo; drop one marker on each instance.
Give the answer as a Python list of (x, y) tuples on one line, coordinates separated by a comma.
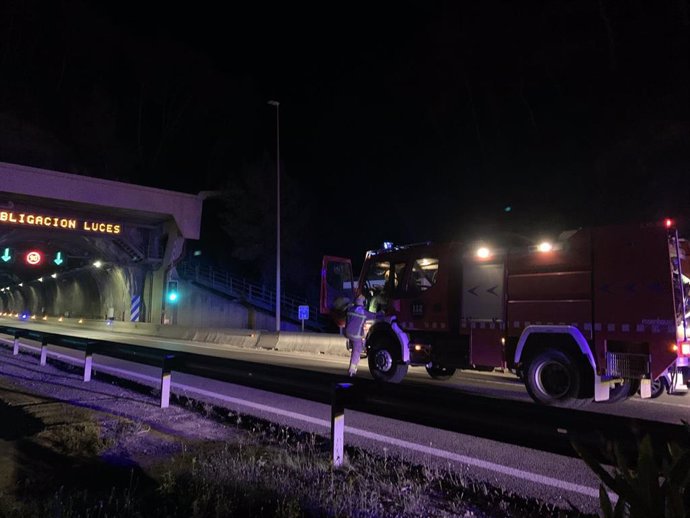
[(85, 247)]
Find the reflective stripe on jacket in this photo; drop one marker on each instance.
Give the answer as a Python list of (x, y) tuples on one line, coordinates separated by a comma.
[(355, 323)]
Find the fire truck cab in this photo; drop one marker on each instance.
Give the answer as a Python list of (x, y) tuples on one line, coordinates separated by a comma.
[(597, 314)]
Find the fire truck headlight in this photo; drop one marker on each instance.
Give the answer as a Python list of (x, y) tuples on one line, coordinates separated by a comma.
[(421, 348), (545, 246)]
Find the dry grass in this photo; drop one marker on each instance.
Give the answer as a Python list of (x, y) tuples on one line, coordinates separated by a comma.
[(71, 461), (271, 471)]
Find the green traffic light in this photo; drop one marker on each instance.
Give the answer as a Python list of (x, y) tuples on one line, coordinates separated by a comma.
[(172, 294)]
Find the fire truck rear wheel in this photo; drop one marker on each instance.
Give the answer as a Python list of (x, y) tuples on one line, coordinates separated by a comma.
[(384, 364), (622, 391), (439, 372), (659, 386), (553, 378)]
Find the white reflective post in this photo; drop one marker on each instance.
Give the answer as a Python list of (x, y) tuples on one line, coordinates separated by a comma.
[(88, 362), (165, 381), (338, 422), (44, 351)]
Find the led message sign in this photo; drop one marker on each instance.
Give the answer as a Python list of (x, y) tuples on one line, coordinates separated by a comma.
[(41, 220)]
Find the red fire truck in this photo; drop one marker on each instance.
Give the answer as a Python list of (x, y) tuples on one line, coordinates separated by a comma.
[(598, 314)]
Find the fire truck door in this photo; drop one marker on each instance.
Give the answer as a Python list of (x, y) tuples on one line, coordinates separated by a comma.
[(482, 292), (482, 311), (336, 282)]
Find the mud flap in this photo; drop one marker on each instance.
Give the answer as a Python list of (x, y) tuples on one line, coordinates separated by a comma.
[(601, 389), (645, 388), (404, 341)]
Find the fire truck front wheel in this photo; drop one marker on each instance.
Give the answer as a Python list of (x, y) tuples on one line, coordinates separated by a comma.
[(385, 364), (553, 378)]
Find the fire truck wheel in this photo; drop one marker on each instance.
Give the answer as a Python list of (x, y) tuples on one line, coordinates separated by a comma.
[(384, 364), (658, 387), (553, 378), (622, 391), (439, 372)]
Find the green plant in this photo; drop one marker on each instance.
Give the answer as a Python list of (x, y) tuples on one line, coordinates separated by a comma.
[(655, 487)]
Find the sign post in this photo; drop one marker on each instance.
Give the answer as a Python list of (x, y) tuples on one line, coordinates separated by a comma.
[(303, 314)]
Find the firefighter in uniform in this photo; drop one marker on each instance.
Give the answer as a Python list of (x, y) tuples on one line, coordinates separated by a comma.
[(354, 331)]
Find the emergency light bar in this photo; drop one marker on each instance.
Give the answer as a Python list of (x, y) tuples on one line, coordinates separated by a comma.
[(683, 348), (483, 252), (545, 247)]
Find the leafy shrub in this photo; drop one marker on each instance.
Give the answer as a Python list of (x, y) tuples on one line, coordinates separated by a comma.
[(655, 487)]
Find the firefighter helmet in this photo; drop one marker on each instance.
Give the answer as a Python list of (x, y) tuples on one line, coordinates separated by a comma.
[(341, 303)]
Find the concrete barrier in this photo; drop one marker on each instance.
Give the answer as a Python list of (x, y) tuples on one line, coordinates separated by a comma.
[(289, 341), (319, 343)]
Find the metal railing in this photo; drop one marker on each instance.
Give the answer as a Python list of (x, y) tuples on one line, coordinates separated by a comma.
[(255, 294)]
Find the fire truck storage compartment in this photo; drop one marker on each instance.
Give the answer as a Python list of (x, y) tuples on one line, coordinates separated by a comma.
[(486, 347), (551, 288), (633, 298)]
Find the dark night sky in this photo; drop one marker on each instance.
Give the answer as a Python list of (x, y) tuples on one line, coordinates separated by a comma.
[(406, 121)]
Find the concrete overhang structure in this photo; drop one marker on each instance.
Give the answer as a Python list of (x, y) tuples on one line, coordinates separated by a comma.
[(140, 230)]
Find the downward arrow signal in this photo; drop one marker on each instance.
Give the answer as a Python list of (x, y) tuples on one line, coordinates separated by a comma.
[(58, 259), (6, 256)]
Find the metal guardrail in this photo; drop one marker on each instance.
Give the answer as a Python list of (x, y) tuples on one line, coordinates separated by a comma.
[(255, 294), (524, 424), (311, 385)]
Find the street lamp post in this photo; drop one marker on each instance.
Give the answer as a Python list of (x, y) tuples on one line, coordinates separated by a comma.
[(277, 105)]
